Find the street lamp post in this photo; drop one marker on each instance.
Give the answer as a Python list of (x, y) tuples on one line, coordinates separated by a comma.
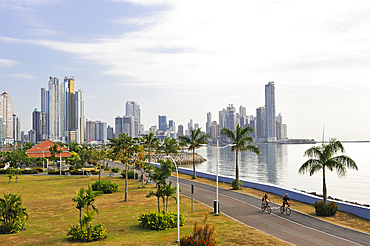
[(43, 157), (178, 199), (216, 214), (60, 162)]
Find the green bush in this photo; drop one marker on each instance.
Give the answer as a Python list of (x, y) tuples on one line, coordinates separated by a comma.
[(88, 233), (31, 171), (105, 186), (236, 185), (131, 174), (160, 221), (73, 172), (14, 229), (116, 170), (329, 210)]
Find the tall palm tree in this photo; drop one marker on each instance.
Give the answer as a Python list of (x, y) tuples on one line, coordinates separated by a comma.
[(124, 148), (241, 141), (170, 145), (150, 142), (195, 140), (324, 156)]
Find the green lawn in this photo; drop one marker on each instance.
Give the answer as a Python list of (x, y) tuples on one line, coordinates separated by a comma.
[(49, 204)]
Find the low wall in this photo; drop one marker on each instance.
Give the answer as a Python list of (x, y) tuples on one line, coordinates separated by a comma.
[(361, 211)]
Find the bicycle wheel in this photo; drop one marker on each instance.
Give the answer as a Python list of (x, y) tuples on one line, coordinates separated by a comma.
[(268, 209), (288, 211), (281, 209), (262, 206)]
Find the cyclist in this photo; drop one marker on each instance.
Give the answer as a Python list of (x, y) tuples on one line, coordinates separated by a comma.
[(265, 202), (286, 201)]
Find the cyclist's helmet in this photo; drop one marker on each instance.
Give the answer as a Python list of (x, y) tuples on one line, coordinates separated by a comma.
[(286, 194)]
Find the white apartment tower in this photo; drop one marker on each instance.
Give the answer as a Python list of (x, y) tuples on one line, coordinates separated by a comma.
[(270, 116), (6, 113)]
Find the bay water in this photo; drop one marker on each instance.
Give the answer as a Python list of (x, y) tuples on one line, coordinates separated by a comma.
[(279, 163)]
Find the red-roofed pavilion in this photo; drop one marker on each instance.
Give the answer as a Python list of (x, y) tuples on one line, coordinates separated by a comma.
[(42, 150)]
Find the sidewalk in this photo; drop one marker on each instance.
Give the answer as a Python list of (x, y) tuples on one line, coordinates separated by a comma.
[(297, 229)]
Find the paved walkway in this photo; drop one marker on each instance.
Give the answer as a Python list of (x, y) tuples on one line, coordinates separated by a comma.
[(297, 229)]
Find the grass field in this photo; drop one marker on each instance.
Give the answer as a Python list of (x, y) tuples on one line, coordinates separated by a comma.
[(49, 204)]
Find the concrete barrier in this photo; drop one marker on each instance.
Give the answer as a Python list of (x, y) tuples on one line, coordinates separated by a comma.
[(358, 210)]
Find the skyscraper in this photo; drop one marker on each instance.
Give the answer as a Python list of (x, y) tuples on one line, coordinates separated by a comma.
[(6, 113), (209, 123), (39, 125), (162, 122), (64, 109), (118, 125), (231, 117), (270, 118), (260, 125), (16, 128), (133, 109)]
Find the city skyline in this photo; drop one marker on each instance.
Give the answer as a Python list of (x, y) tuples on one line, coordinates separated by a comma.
[(152, 53)]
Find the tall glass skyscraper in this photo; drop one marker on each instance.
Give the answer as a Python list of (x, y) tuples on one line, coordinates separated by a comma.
[(270, 116), (133, 109), (64, 109)]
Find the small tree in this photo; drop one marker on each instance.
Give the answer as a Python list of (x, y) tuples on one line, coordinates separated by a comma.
[(160, 175), (85, 199), (169, 146), (142, 166)]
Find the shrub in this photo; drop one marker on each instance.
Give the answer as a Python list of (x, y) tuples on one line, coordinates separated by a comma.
[(329, 210), (32, 171), (12, 214), (88, 233), (236, 185), (160, 221), (105, 186), (131, 174), (202, 235), (116, 170)]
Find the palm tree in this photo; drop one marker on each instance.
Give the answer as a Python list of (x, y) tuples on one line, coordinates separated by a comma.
[(169, 145), (241, 141), (324, 156), (84, 199), (150, 142), (195, 140), (12, 212)]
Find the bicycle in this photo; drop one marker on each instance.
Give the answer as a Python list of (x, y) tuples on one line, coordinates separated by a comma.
[(286, 210), (268, 208)]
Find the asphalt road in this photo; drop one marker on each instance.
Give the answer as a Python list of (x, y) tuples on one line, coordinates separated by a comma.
[(297, 229)]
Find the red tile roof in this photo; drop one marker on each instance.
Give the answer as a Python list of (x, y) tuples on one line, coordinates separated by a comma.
[(38, 150)]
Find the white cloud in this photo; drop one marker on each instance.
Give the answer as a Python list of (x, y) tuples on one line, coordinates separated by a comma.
[(7, 62), (22, 76)]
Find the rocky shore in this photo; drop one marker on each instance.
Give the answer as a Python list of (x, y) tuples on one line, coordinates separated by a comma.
[(333, 198), (180, 159)]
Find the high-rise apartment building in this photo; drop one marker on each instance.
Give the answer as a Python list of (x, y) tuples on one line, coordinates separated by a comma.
[(16, 129), (190, 124), (260, 124), (231, 117), (180, 130), (110, 132), (270, 117), (162, 122), (39, 125), (133, 109), (6, 113), (118, 125), (209, 123), (64, 109)]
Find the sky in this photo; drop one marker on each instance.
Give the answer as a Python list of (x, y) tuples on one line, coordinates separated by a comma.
[(186, 58)]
